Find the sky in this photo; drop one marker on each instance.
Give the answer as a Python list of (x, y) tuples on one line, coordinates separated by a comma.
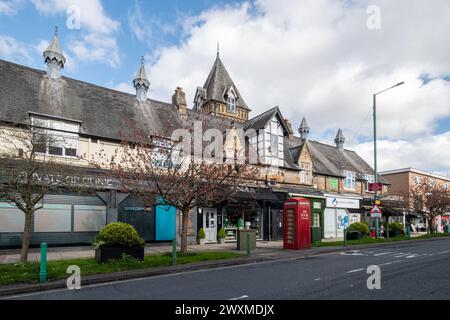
[(319, 59)]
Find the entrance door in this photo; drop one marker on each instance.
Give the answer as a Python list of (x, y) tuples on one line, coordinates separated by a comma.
[(210, 224), (276, 225)]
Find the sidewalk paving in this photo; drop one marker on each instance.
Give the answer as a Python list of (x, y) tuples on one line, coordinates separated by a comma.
[(65, 253)]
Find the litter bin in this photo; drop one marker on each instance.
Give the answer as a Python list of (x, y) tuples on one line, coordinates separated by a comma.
[(242, 239)]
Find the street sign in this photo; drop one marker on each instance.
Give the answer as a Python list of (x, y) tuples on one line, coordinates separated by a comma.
[(377, 202), (375, 186), (375, 212)]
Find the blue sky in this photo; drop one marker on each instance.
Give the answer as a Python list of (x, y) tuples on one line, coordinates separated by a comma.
[(322, 59)]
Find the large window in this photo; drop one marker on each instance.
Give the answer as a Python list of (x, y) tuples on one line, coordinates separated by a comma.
[(350, 180), (60, 139)]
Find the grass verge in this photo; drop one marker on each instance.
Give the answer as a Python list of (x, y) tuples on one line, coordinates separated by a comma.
[(29, 272)]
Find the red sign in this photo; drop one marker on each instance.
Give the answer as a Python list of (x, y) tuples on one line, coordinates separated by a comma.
[(375, 186)]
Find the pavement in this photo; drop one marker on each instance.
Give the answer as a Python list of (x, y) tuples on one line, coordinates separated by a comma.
[(267, 252), (407, 270)]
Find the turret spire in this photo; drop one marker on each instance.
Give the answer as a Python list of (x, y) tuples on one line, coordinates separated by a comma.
[(54, 57), (304, 130), (141, 82), (339, 140)]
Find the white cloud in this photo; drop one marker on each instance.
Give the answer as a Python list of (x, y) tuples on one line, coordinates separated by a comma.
[(430, 153), (10, 7), (14, 50), (124, 87), (318, 59), (96, 40)]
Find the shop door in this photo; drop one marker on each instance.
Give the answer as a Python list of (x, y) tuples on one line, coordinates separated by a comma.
[(210, 225), (277, 225)]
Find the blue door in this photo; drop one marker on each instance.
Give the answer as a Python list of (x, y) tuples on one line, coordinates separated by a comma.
[(165, 223)]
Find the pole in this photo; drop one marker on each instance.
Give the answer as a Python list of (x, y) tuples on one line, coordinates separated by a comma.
[(375, 155), (249, 246), (270, 224), (174, 251), (345, 238), (387, 230), (409, 232), (43, 270)]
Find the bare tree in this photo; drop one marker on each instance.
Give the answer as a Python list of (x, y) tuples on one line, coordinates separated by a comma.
[(29, 173), (429, 199), (156, 170)]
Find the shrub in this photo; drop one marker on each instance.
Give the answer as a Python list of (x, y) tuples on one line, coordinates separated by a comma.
[(221, 234), (361, 227), (201, 234), (119, 234), (397, 226)]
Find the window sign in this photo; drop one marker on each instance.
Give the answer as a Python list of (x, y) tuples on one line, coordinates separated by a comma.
[(334, 183)]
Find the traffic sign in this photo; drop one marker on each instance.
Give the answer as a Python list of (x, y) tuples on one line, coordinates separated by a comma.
[(375, 212), (375, 186)]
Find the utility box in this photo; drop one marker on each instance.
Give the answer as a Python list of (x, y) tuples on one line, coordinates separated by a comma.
[(242, 239), (297, 224)]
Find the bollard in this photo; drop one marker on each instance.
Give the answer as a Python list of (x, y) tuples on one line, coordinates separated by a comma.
[(408, 230), (249, 245), (43, 270), (174, 252), (345, 237)]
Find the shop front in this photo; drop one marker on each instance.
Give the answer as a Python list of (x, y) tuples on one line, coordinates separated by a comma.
[(248, 208), (340, 212)]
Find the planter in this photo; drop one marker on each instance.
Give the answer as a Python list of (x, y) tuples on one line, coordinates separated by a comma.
[(201, 241), (222, 240), (105, 253), (354, 235)]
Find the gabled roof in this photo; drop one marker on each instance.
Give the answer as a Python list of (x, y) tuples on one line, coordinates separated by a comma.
[(102, 112), (329, 160), (260, 121), (218, 82)]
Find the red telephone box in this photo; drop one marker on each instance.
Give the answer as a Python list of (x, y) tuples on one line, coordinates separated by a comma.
[(297, 224)]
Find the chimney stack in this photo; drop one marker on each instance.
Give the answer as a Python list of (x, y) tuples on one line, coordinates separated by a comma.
[(179, 100)]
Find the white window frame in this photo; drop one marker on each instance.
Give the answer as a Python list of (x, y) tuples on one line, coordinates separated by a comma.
[(305, 173), (369, 179), (350, 176), (64, 135)]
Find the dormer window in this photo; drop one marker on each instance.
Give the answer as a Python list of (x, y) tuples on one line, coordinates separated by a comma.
[(231, 97), (55, 137)]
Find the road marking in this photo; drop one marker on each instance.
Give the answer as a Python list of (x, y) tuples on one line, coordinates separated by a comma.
[(317, 279), (353, 253), (382, 254), (356, 270), (413, 255), (239, 298), (402, 255), (443, 252), (388, 263)]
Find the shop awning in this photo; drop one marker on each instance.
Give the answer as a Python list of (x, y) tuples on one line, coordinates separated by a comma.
[(301, 192), (255, 194)]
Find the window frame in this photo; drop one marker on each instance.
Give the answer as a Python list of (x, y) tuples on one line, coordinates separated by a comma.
[(350, 176)]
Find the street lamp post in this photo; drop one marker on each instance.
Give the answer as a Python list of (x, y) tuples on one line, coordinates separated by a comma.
[(375, 144)]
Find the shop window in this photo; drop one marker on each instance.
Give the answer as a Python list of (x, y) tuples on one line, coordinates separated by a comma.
[(316, 220), (350, 180)]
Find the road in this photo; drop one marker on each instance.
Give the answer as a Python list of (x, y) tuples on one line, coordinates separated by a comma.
[(408, 271)]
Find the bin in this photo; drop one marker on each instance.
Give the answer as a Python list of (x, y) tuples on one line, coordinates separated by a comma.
[(242, 239)]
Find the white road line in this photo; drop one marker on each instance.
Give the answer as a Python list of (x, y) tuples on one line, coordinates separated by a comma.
[(317, 279), (388, 263), (443, 252), (356, 270), (402, 255), (382, 254), (239, 298)]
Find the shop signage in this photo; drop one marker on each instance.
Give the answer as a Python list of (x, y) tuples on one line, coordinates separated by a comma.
[(338, 202), (317, 205), (333, 183), (375, 186)]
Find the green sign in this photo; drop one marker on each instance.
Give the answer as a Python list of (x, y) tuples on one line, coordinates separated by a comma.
[(334, 183)]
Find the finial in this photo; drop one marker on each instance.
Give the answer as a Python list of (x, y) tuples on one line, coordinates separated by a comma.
[(218, 49), (56, 30), (142, 59)]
